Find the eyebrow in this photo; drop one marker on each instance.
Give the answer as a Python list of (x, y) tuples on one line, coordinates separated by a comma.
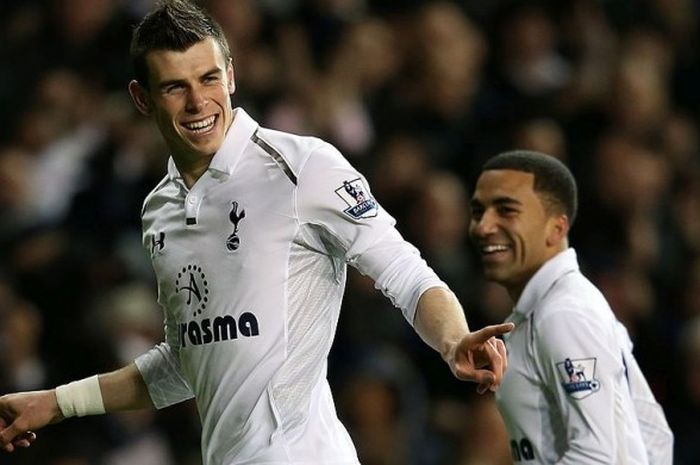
[(497, 201), (216, 70), (172, 82)]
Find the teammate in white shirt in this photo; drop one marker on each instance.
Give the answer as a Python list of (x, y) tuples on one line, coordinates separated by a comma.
[(249, 234), (573, 393)]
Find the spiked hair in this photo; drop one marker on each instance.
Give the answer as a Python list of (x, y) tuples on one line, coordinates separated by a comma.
[(172, 25)]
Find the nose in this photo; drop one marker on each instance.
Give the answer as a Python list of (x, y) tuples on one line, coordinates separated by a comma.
[(483, 226), (196, 101)]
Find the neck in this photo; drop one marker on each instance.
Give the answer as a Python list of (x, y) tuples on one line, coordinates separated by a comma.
[(516, 290), (191, 171)]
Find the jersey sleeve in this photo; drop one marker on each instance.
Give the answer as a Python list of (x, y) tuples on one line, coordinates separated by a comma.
[(582, 372), (334, 197), (160, 369), (653, 426)]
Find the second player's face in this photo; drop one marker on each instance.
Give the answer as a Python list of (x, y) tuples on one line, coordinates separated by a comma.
[(510, 228), (190, 98)]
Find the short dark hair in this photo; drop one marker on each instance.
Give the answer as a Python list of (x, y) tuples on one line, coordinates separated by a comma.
[(553, 180), (172, 25)]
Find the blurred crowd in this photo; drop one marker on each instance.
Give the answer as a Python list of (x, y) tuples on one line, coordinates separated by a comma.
[(416, 94)]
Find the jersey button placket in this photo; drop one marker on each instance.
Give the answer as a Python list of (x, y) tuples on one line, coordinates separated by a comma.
[(192, 202)]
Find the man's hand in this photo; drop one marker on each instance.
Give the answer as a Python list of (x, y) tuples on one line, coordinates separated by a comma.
[(481, 357), (24, 412)]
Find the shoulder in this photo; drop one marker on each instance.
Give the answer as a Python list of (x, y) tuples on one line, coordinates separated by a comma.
[(574, 303), (156, 197), (575, 293), (295, 150)]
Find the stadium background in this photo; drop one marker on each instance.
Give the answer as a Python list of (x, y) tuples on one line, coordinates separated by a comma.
[(417, 94)]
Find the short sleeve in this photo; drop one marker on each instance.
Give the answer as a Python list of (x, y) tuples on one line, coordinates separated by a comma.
[(160, 369), (583, 371), (333, 195)]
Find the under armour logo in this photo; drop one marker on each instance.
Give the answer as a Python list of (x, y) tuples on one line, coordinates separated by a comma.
[(157, 244), (233, 241)]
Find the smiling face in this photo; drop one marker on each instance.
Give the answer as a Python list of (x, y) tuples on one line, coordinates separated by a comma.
[(513, 230), (189, 98)]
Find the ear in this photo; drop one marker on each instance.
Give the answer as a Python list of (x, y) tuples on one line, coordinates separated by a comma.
[(231, 77), (557, 230), (140, 97)]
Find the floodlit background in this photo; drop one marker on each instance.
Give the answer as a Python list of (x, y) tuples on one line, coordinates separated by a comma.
[(416, 94)]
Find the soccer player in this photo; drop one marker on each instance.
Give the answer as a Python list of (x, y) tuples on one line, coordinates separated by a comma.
[(249, 234), (573, 393)]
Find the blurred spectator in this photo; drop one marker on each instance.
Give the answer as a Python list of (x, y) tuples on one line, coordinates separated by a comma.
[(542, 135), (21, 365), (384, 405), (485, 443)]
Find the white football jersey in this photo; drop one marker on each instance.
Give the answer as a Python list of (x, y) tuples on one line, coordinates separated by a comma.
[(251, 265), (573, 392)]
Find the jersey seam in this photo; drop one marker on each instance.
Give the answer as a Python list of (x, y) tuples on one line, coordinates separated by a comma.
[(287, 168), (296, 186)]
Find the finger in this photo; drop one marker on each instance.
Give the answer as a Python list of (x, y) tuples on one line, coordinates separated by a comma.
[(492, 342), (495, 361), (484, 334), (9, 434), (501, 348), (29, 436), (484, 380), (488, 369), (23, 443), (8, 447)]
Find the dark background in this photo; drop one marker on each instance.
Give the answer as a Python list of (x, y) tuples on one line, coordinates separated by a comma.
[(417, 94)]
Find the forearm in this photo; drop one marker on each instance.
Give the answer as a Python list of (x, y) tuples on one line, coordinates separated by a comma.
[(124, 389), (440, 320), (119, 390)]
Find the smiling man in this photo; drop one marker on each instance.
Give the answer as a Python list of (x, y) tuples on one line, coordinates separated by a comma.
[(573, 393), (249, 234)]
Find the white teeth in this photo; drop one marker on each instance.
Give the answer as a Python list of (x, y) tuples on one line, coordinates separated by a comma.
[(201, 126), (494, 248)]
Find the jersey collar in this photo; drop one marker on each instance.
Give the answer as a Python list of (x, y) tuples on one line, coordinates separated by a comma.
[(236, 140), (540, 283)]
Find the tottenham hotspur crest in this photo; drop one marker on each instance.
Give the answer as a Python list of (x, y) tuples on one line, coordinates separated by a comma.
[(233, 241), (356, 195)]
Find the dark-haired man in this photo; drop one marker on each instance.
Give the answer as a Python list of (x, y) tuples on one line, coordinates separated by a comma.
[(249, 234), (574, 393)]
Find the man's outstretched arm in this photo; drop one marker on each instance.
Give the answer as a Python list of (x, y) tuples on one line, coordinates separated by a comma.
[(24, 412), (472, 356)]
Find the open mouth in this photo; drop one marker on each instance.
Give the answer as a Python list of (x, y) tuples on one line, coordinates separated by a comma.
[(201, 126), (491, 252), (493, 248)]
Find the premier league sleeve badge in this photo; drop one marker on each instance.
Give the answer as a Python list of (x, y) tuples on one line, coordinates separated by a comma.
[(578, 377), (360, 203)]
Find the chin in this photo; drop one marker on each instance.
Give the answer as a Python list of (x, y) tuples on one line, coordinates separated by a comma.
[(496, 276)]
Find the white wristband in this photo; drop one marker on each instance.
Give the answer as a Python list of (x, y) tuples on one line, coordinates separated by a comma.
[(80, 398)]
